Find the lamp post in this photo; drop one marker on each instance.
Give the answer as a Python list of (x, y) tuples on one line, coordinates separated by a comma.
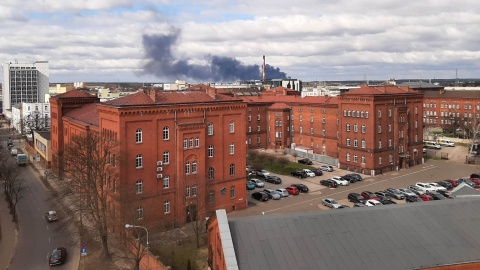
[(129, 226)]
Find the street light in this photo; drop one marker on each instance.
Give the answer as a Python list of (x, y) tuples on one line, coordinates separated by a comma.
[(129, 226)]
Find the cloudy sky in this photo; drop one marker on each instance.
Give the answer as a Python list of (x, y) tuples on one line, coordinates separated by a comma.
[(206, 40)]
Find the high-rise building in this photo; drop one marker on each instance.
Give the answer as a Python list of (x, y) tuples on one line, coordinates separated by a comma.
[(24, 82)]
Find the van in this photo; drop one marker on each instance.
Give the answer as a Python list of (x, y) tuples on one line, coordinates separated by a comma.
[(432, 144), (446, 142), (14, 151)]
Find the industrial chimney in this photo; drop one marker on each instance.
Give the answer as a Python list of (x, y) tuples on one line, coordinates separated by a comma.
[(264, 76)]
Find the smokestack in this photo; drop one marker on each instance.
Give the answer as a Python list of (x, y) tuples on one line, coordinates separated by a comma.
[(264, 76)]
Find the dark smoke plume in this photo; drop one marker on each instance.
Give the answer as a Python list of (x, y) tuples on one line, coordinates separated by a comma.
[(161, 63)]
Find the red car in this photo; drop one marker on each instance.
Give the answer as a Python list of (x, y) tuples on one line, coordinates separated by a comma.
[(425, 197), (454, 182), (292, 190), (475, 180), (370, 196)]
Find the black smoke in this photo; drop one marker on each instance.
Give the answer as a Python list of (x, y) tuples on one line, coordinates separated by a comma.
[(162, 63)]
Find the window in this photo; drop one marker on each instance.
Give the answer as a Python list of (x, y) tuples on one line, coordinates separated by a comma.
[(139, 185), (191, 142), (258, 128), (364, 144), (311, 130), (380, 144), (364, 160), (389, 142), (355, 143), (211, 173), (187, 191), (194, 167), (232, 169), (210, 151), (138, 161), (311, 119), (139, 212), (258, 139), (166, 182), (258, 117), (232, 127), (249, 128), (197, 142), (166, 207), (185, 143), (211, 197), (390, 112), (379, 113), (364, 129), (232, 148), (348, 127), (324, 132), (366, 114), (249, 117), (187, 167), (301, 118), (348, 156), (166, 157), (138, 136), (355, 128), (194, 191), (166, 133), (210, 129), (355, 158), (232, 192), (348, 141), (390, 158), (379, 129), (301, 129), (323, 120), (389, 127)]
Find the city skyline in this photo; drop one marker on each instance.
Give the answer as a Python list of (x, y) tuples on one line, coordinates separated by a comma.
[(199, 41)]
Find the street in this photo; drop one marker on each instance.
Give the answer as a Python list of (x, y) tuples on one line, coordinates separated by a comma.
[(36, 236)]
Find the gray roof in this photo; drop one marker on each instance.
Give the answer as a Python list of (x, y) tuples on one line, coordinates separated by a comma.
[(452, 94), (403, 236), (464, 190), (420, 85)]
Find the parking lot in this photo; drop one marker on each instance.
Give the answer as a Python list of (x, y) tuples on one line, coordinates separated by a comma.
[(431, 171)]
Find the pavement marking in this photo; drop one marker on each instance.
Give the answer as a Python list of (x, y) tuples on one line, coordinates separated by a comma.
[(381, 181)]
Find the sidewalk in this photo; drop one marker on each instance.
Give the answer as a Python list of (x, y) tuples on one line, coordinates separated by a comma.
[(8, 239)]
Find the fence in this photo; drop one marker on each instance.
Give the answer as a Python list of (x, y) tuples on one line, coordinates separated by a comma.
[(315, 157)]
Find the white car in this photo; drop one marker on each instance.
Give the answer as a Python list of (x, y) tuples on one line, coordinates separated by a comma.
[(372, 203), (340, 181), (327, 168), (257, 182), (51, 216), (437, 186), (425, 187), (328, 202), (308, 173), (283, 192), (263, 173)]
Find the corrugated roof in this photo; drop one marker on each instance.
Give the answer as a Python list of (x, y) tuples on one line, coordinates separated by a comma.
[(379, 90), (86, 114), (404, 236), (452, 94)]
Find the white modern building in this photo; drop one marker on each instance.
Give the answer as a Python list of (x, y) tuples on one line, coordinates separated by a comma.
[(26, 115), (24, 82)]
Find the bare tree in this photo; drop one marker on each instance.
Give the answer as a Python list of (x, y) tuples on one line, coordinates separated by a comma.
[(13, 183), (89, 162), (472, 131), (34, 122), (196, 221), (270, 158)]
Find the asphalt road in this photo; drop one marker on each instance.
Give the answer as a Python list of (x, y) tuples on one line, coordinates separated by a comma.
[(37, 236), (432, 170)]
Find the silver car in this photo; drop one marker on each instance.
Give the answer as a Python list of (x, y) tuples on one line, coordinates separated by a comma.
[(272, 194), (328, 202), (327, 168), (283, 192), (257, 182)]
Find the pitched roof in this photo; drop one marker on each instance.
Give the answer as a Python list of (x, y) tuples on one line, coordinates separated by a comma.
[(86, 114), (379, 90), (403, 236), (452, 94), (464, 190), (279, 106), (291, 99), (73, 94), (139, 98)]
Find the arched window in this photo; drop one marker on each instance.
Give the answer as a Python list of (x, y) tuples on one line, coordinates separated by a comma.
[(185, 143), (232, 192), (348, 141), (210, 151), (210, 129), (140, 212), (166, 133), (232, 148), (232, 127), (138, 136), (187, 167), (197, 142), (166, 207), (232, 169), (364, 144), (348, 156), (166, 157), (194, 167), (211, 173), (139, 185), (139, 161)]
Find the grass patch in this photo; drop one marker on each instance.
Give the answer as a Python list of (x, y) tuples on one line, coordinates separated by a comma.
[(179, 253), (274, 163)]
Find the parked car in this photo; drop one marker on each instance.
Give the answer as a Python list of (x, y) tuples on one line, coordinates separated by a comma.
[(261, 196), (328, 202), (57, 256), (359, 205), (355, 198), (303, 188), (468, 182), (258, 182), (343, 206), (308, 173), (272, 194), (249, 168), (446, 194), (475, 175), (416, 190), (317, 172), (368, 195), (475, 180), (382, 195), (292, 190), (454, 182), (263, 173), (51, 216), (372, 203), (305, 161), (445, 184), (340, 181), (436, 196), (425, 187), (329, 183), (411, 199), (356, 176), (273, 179), (395, 193), (437, 186), (425, 197), (327, 168), (387, 201), (349, 178), (407, 192), (299, 174), (250, 185)]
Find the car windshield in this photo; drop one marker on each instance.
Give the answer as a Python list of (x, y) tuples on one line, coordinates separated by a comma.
[(56, 254)]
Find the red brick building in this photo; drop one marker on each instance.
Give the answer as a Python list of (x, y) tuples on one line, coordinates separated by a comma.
[(179, 152)]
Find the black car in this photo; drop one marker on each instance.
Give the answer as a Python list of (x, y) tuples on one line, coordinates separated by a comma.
[(57, 256), (305, 161), (382, 195), (349, 178), (273, 179), (445, 184), (299, 174), (357, 176), (317, 172), (359, 205), (303, 188), (436, 196), (355, 198), (343, 206), (329, 183), (261, 196), (387, 201), (411, 199), (446, 194), (395, 193)]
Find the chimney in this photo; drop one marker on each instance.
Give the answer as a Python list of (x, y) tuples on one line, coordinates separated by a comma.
[(153, 94), (211, 91), (264, 76)]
